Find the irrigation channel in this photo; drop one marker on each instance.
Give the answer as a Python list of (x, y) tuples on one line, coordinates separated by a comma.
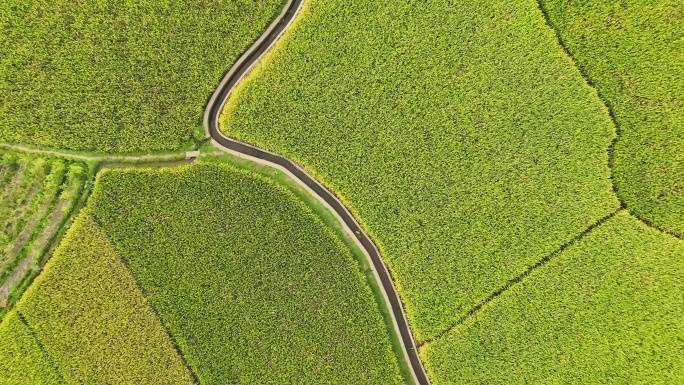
[(211, 123)]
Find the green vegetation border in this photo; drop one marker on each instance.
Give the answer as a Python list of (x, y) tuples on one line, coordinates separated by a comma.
[(191, 145)]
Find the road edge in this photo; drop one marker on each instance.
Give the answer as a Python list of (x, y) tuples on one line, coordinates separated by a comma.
[(212, 114)]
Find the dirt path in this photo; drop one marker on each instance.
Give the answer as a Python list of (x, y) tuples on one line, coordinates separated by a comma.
[(10, 225), (211, 123), (102, 158), (4, 171), (29, 228)]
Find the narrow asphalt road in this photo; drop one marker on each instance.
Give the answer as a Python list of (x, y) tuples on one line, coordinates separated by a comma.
[(211, 123)]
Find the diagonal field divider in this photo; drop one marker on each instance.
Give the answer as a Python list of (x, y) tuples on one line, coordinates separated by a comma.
[(174, 343), (519, 278), (40, 345)]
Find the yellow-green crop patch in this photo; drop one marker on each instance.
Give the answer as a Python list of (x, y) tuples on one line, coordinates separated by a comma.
[(250, 283), (459, 133), (117, 76), (633, 52), (92, 319), (607, 310), (22, 360)]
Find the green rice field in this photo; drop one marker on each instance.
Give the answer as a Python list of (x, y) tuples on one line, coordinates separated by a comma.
[(234, 281), (518, 163), (633, 54), (468, 145), (248, 281), (93, 321), (607, 310), (22, 359), (117, 76)]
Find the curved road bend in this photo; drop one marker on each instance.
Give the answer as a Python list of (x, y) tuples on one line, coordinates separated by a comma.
[(211, 123)]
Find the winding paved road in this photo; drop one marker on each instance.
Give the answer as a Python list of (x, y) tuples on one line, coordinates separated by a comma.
[(211, 123)]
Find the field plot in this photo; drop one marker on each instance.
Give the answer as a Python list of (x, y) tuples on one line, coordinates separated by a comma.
[(37, 194), (607, 310), (632, 51), (250, 283), (460, 134), (92, 318), (117, 76), (22, 361)]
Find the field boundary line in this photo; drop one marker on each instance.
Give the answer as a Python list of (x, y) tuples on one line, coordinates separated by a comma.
[(41, 346), (173, 341), (611, 114), (514, 281), (100, 158), (232, 78)]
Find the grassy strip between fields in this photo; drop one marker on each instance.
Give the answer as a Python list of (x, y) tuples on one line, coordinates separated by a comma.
[(633, 54), (249, 281), (606, 310), (117, 76)]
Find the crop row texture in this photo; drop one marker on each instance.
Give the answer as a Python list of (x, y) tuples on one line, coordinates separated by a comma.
[(22, 361), (92, 318), (36, 194), (607, 310), (632, 51), (117, 76), (250, 283), (459, 133)]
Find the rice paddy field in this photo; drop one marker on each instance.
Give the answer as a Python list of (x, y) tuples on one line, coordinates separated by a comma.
[(468, 144), (117, 76), (22, 358), (633, 54), (607, 310), (233, 281), (519, 164), (91, 319)]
